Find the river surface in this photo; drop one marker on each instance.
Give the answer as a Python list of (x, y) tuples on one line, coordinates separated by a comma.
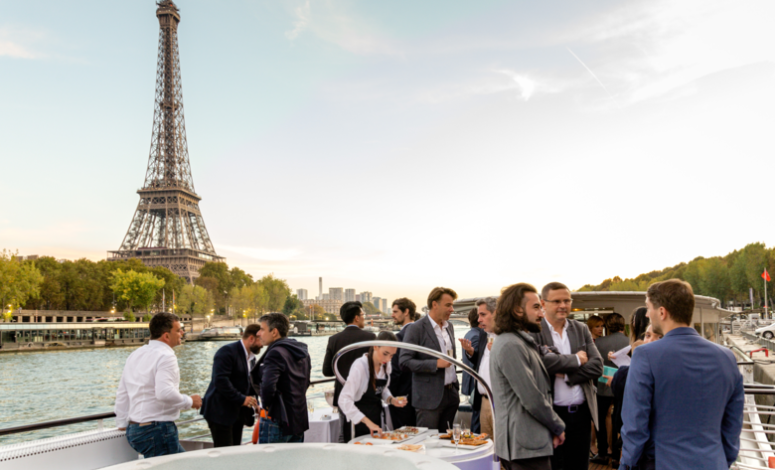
[(44, 386)]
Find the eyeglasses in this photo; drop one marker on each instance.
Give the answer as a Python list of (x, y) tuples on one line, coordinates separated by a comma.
[(560, 302)]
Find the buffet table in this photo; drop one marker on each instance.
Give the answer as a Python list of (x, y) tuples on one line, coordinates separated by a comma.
[(479, 458), (328, 430)]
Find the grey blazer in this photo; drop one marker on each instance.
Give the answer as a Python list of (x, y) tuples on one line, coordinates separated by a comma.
[(586, 375), (427, 379), (521, 389), (606, 344)]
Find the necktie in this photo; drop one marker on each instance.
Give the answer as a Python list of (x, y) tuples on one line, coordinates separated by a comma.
[(252, 363)]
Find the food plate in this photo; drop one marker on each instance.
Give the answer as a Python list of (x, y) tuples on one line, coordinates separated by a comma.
[(416, 448), (466, 447), (414, 430), (396, 439), (448, 436)]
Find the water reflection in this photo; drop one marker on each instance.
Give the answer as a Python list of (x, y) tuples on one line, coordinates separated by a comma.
[(44, 386)]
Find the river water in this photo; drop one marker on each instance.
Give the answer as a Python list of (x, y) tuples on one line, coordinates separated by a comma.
[(44, 386)]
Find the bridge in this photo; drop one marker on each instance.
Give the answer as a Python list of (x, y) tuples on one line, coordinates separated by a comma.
[(459, 319)]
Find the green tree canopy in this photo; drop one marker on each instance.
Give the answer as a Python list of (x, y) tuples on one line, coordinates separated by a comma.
[(136, 289), (19, 280)]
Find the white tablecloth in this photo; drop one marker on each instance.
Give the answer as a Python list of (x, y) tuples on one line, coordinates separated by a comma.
[(321, 430)]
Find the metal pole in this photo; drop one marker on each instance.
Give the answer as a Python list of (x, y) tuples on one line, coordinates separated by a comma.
[(430, 352)]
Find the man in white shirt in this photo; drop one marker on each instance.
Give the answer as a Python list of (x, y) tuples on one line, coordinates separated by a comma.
[(481, 358), (148, 400), (572, 359)]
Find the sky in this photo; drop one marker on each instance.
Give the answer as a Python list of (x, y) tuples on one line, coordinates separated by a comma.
[(397, 146)]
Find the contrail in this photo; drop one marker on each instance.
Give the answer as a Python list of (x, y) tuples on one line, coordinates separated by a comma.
[(594, 76)]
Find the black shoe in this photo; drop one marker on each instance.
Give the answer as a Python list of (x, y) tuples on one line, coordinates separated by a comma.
[(600, 459), (614, 463)]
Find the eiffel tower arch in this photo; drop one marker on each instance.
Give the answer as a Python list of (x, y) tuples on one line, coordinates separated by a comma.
[(167, 228)]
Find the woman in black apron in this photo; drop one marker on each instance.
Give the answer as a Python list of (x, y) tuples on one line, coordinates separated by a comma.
[(367, 386)]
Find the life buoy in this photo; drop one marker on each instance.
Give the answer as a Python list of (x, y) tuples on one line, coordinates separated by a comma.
[(261, 414)]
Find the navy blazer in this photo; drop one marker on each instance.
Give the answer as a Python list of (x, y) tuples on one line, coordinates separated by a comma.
[(683, 404), (478, 338), (400, 378), (229, 385)]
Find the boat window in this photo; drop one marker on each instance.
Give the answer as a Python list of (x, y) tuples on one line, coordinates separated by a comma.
[(46, 335)]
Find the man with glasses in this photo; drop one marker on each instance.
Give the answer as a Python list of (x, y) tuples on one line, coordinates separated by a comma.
[(572, 359)]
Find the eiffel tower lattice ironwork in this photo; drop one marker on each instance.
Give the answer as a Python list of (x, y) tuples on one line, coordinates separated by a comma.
[(168, 229)]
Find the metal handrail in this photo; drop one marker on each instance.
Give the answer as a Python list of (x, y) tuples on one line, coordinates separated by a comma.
[(424, 350), (53, 424)]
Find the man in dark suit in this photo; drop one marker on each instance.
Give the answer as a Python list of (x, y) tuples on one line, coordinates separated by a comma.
[(435, 388), (404, 314), (230, 399), (683, 403), (353, 316), (612, 342), (476, 340), (574, 363)]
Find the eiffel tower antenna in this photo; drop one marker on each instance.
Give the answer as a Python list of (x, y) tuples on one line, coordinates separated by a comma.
[(168, 229)]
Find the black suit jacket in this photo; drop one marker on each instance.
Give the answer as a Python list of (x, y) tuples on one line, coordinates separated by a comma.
[(350, 335), (229, 385), (400, 378), (479, 343)]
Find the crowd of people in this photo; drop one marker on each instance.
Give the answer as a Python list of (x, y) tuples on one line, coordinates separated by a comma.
[(679, 404)]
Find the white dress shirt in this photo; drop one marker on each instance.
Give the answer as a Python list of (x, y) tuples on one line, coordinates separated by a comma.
[(356, 385), (446, 345), (484, 369), (149, 387), (564, 394)]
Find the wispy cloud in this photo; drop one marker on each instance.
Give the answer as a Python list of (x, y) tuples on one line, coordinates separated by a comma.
[(302, 21), (17, 43), (593, 75)]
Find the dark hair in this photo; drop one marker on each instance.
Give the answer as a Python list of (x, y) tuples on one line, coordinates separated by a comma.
[(276, 321), (509, 303), (473, 317), (162, 323), (552, 286), (438, 292), (251, 330), (405, 304), (676, 296), (594, 321), (614, 323), (349, 310), (382, 336), (638, 323)]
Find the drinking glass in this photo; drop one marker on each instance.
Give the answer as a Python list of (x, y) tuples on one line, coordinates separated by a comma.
[(456, 434), (310, 407)]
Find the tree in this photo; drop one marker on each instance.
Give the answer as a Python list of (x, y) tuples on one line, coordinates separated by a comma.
[(292, 304), (195, 300), (18, 281), (315, 312), (136, 289), (277, 291), (129, 316), (370, 309)]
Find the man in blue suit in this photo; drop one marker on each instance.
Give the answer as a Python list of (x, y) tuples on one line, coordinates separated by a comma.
[(473, 344), (683, 402), (228, 404)]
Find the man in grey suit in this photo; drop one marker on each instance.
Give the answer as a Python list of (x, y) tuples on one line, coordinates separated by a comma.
[(575, 364), (435, 395), (528, 427), (614, 341)]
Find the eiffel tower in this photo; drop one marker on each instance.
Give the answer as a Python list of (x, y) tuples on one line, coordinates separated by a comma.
[(168, 229)]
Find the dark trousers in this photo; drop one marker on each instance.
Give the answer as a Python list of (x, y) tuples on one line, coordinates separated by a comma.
[(536, 463), (225, 436), (403, 416), (476, 425), (573, 454), (603, 404), (443, 416), (269, 432), (154, 439)]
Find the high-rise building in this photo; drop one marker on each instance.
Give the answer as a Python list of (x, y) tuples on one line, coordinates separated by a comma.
[(365, 297), (357, 297), (320, 287), (301, 294), (349, 295), (325, 297), (335, 293), (385, 306), (375, 301)]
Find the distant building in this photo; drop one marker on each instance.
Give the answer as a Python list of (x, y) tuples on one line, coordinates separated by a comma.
[(365, 297), (349, 295), (384, 306), (335, 293), (375, 301), (301, 294), (357, 297), (325, 297), (330, 306)]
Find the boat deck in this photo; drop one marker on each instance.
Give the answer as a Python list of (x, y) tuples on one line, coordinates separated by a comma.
[(594, 466)]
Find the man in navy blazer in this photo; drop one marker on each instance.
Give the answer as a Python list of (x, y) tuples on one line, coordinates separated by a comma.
[(228, 404), (683, 402)]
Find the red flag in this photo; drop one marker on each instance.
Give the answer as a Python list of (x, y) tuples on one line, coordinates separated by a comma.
[(766, 275)]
